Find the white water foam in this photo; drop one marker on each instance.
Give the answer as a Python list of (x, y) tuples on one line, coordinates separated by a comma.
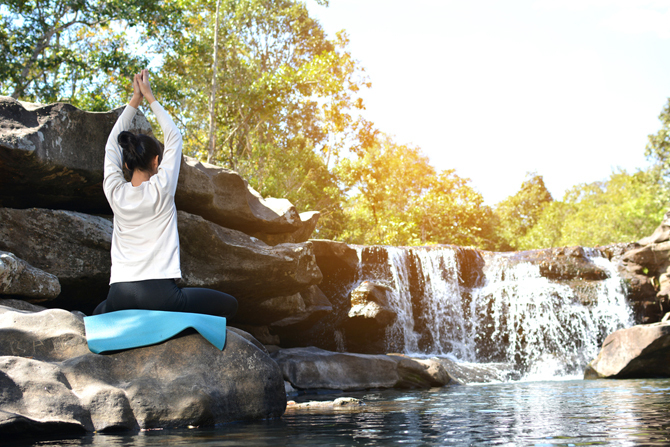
[(517, 316)]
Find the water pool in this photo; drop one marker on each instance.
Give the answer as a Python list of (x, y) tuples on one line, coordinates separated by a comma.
[(548, 413)]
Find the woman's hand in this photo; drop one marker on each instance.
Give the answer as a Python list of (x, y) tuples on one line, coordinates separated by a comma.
[(145, 87), (137, 92)]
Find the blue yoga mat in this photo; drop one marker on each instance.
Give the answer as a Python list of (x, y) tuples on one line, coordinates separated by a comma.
[(133, 328)]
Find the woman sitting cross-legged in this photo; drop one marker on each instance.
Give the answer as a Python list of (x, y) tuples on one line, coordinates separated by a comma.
[(145, 241)]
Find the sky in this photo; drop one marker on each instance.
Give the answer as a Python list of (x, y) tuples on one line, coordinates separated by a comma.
[(569, 89)]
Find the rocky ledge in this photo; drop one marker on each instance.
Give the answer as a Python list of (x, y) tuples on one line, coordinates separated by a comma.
[(51, 382)]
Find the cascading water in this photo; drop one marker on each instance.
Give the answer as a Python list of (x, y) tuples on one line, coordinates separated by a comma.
[(512, 315)]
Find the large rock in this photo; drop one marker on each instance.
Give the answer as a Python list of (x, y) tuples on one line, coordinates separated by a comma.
[(314, 368), (641, 351), (17, 277), (50, 381), (223, 197), (75, 247), (220, 258), (51, 156), (72, 246)]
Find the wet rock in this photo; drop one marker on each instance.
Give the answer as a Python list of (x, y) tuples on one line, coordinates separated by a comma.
[(466, 373), (471, 264), (369, 317), (17, 277), (340, 404), (370, 305), (49, 380), (314, 368), (638, 352), (564, 263)]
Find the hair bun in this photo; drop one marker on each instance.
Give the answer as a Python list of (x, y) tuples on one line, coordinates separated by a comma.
[(127, 140)]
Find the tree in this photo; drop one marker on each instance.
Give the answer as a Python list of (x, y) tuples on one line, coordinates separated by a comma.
[(624, 208), (518, 213), (72, 50), (397, 198), (658, 147), (283, 103)]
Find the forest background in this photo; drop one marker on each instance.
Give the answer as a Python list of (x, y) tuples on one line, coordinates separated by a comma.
[(257, 86)]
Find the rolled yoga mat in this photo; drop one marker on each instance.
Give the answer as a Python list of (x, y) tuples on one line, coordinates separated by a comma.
[(133, 328)]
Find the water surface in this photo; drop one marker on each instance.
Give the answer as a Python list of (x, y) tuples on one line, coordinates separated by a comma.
[(549, 413)]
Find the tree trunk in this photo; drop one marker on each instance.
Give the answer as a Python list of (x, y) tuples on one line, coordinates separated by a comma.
[(211, 150)]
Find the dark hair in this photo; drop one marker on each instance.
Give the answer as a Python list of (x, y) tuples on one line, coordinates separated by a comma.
[(139, 150)]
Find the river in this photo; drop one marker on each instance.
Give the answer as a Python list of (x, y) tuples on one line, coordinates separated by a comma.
[(543, 413)]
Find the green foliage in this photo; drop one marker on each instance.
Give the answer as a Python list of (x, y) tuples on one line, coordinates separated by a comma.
[(658, 148), (283, 103), (624, 208), (517, 214), (397, 198), (72, 50)]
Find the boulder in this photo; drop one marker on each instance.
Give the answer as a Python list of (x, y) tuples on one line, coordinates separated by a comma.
[(314, 368), (72, 246), (17, 277), (269, 310), (75, 247), (308, 220), (231, 261), (638, 352), (51, 156), (370, 306), (50, 381), (225, 198), (317, 306)]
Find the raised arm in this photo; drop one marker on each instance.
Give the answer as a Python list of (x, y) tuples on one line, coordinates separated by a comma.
[(168, 171)]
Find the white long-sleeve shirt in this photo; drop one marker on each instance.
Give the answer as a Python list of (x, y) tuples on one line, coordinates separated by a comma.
[(145, 241)]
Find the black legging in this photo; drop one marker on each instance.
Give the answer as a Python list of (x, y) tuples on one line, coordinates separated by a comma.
[(163, 294)]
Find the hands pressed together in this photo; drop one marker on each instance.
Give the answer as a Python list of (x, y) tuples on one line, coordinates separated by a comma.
[(141, 89)]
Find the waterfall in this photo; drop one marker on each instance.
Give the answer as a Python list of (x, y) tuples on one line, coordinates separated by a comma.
[(512, 314)]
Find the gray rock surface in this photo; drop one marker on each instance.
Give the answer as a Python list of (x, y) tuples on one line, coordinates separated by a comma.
[(314, 368), (370, 306), (50, 381), (75, 247), (72, 246), (52, 157), (231, 261), (17, 277), (638, 352)]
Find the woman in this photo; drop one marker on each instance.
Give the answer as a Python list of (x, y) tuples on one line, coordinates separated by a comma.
[(145, 241)]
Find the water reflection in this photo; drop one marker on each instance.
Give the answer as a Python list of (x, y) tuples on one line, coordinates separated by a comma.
[(621, 413)]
